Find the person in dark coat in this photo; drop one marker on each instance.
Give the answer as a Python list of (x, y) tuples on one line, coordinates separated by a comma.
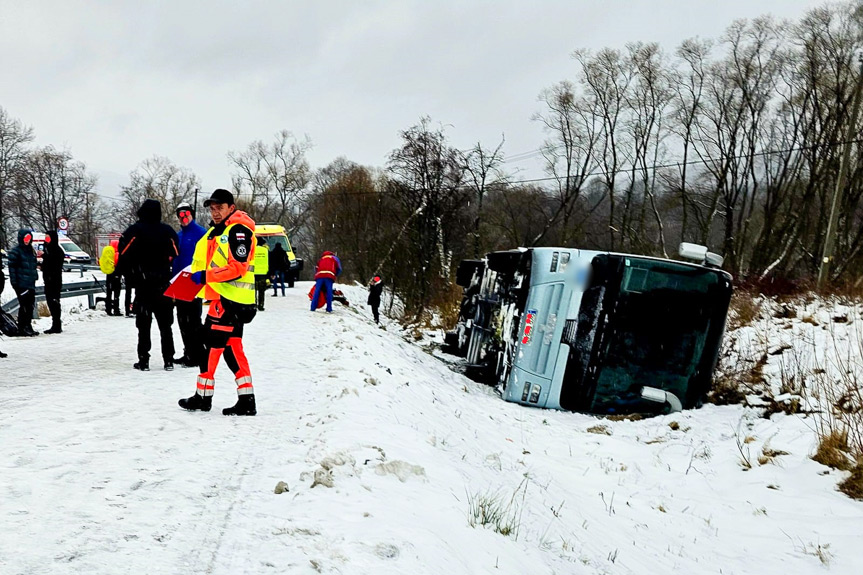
[(22, 277), (262, 271), (2, 285), (279, 264), (376, 286), (147, 249), (189, 312), (52, 275)]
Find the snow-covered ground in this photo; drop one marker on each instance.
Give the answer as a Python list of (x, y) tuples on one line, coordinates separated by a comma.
[(385, 452)]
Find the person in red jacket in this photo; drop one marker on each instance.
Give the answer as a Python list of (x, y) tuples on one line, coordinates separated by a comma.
[(328, 269)]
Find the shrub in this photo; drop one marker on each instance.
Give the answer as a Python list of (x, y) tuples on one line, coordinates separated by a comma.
[(833, 450), (853, 485)]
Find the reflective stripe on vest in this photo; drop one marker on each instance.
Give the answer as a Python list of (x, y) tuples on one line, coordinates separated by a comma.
[(241, 290)]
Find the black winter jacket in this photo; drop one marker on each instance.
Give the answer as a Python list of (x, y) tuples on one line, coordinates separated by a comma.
[(147, 249), (375, 294), (22, 264), (279, 261), (52, 262)]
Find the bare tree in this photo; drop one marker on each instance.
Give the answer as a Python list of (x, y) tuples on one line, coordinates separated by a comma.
[(272, 180), (160, 179), (14, 136), (483, 171), (569, 152), (427, 174), (606, 78), (648, 101), (50, 184)]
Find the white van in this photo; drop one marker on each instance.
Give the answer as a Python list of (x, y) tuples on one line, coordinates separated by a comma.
[(72, 253)]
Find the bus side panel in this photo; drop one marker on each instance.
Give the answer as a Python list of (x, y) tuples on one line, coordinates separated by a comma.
[(540, 329)]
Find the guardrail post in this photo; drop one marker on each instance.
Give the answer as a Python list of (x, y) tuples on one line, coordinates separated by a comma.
[(82, 270), (91, 301)]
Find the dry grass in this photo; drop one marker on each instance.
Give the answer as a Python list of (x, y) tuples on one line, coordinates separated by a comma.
[(769, 455), (744, 309), (42, 309), (731, 386), (599, 429), (833, 451), (853, 485)]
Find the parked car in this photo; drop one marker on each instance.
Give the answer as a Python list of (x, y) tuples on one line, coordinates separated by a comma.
[(275, 234), (591, 331), (73, 254)]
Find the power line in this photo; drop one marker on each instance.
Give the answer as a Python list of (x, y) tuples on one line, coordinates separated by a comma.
[(653, 167)]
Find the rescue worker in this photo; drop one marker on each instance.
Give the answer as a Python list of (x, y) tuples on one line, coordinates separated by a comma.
[(147, 249), (189, 312), (22, 278), (329, 267), (53, 257), (262, 270), (223, 265), (376, 286), (113, 280)]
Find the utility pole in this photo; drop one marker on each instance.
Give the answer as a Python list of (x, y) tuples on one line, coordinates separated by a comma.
[(830, 238)]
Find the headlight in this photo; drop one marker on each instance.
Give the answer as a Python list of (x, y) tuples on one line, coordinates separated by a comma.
[(534, 393), (526, 391)]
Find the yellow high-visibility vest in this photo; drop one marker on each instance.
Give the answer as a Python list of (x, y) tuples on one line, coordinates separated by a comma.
[(262, 260), (240, 290)]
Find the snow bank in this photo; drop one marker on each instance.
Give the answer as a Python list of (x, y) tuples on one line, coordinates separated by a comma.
[(390, 463)]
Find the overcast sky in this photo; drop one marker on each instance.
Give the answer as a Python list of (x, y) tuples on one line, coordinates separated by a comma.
[(118, 81)]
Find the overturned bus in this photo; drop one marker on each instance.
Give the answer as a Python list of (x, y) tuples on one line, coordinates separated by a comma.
[(592, 331)]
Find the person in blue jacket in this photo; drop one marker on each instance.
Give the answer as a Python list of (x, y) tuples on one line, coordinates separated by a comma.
[(189, 312)]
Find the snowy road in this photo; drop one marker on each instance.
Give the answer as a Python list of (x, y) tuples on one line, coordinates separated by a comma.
[(102, 473)]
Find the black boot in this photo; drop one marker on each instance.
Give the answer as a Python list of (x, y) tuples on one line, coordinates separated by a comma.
[(169, 366), (54, 329), (245, 406), (197, 403), (142, 365), (2, 355)]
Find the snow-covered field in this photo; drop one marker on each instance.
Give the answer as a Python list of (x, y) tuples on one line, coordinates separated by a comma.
[(387, 455)]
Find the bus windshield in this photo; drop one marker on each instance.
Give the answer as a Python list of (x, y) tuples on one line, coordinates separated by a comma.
[(655, 334)]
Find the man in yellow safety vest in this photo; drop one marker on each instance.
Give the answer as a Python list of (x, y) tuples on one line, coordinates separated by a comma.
[(223, 265)]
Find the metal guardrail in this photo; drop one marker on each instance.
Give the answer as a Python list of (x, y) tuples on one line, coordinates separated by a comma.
[(77, 289)]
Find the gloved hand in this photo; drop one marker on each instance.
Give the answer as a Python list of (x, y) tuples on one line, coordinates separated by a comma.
[(199, 278)]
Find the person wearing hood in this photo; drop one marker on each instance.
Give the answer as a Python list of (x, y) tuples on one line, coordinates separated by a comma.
[(376, 287), (113, 280), (22, 277), (147, 249), (223, 265), (52, 275), (188, 312), (329, 267)]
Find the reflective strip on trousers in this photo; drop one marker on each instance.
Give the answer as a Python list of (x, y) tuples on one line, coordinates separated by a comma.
[(206, 386), (244, 385)]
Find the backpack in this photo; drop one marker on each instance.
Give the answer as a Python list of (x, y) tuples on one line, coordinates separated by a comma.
[(106, 261), (7, 324)]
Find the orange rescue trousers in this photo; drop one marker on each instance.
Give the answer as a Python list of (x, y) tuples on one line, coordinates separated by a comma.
[(224, 335)]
